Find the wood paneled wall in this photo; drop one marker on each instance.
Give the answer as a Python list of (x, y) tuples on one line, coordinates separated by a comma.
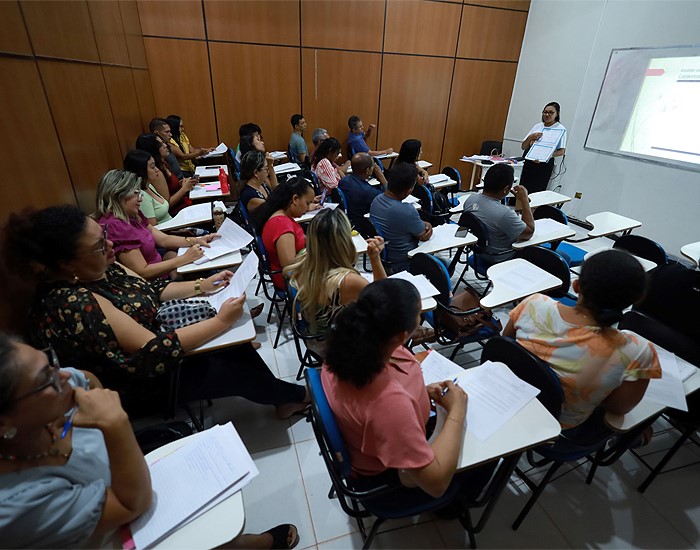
[(439, 71), (76, 92)]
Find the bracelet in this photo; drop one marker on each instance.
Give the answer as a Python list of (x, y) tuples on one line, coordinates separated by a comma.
[(455, 419), (188, 240), (198, 287)]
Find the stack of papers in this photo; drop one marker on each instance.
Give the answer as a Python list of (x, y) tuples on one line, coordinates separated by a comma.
[(422, 284), (238, 283), (220, 150), (209, 468), (278, 155), (668, 390), (437, 178), (232, 237)]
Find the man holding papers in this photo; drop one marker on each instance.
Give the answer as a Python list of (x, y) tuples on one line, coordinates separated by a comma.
[(542, 146)]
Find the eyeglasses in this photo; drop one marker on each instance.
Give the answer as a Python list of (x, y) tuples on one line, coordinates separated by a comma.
[(52, 375), (549, 112), (103, 241)]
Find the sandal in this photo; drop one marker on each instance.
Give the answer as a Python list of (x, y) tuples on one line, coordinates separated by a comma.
[(280, 534), (292, 409), (256, 311)]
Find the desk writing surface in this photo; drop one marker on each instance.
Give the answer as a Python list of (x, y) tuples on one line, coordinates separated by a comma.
[(241, 331), (542, 198), (461, 199), (607, 223), (200, 192), (648, 265), (546, 231), (286, 168), (692, 252), (360, 244), (373, 181), (441, 180), (443, 239), (190, 215), (387, 156), (424, 164), (515, 279), (210, 171), (227, 260)]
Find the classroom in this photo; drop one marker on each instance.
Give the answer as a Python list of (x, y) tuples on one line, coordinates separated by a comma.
[(456, 85)]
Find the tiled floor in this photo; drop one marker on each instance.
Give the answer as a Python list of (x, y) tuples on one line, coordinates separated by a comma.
[(293, 486)]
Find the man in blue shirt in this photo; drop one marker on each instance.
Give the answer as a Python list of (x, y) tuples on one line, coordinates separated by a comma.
[(357, 136), (297, 145), (398, 221), (359, 194)]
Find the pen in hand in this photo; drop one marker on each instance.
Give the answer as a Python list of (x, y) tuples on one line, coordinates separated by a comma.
[(69, 423), (454, 381)]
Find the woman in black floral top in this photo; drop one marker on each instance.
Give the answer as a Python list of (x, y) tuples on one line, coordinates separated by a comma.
[(100, 317)]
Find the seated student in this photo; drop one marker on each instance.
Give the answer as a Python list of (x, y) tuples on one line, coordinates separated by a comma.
[(597, 364), (411, 151), (254, 142), (153, 205), (357, 137), (317, 137), (504, 226), (399, 222), (118, 201), (381, 404), (282, 236), (325, 166), (325, 276), (163, 180), (359, 194), (161, 128), (297, 145), (181, 148), (248, 129), (255, 183)]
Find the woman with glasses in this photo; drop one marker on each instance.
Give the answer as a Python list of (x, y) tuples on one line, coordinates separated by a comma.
[(136, 242), (255, 181), (100, 316), (536, 174)]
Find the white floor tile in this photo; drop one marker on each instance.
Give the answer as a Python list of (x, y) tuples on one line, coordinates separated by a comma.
[(424, 535)]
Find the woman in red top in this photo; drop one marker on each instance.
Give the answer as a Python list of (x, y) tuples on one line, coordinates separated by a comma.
[(166, 183), (282, 236)]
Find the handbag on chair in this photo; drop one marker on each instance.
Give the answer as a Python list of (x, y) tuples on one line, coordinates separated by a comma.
[(467, 325)]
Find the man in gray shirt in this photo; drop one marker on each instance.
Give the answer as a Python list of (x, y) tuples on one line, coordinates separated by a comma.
[(504, 226), (398, 221), (297, 145)]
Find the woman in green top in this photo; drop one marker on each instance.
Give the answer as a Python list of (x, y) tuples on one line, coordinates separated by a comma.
[(154, 206)]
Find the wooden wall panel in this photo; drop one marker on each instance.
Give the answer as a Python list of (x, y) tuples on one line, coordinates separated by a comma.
[(132, 33), (109, 32), (60, 28), (84, 122), (522, 5), (347, 25), (42, 178), (124, 104), (491, 34), (144, 96), (478, 108), (186, 91), (258, 21), (256, 84), (417, 26), (182, 18), (413, 104), (13, 33), (330, 98)]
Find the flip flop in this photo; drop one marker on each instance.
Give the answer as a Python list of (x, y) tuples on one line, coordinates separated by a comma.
[(280, 534)]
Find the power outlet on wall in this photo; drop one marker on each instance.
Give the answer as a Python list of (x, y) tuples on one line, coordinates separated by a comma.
[(578, 195)]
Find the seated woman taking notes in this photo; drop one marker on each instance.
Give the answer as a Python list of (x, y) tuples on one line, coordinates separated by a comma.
[(597, 364), (375, 388)]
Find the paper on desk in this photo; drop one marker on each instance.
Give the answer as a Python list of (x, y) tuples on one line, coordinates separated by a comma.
[(239, 282), (278, 154), (422, 284), (438, 178), (210, 171), (286, 167), (438, 368), (667, 390), (522, 278), (686, 369), (545, 226), (495, 396), (220, 150), (190, 478)]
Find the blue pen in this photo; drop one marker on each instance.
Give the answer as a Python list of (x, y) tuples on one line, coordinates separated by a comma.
[(454, 381), (216, 283), (69, 422)]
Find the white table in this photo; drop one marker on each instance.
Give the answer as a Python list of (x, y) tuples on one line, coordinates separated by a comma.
[(607, 223), (546, 235), (360, 244), (692, 252), (443, 238), (387, 156), (190, 215), (542, 198), (461, 199), (241, 332), (200, 192), (217, 526), (206, 172), (441, 180), (424, 164), (287, 168), (502, 292), (227, 260), (517, 166)]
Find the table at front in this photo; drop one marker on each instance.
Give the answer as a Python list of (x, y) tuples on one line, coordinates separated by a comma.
[(518, 166), (563, 231), (227, 260), (215, 527), (502, 294), (692, 252), (607, 223)]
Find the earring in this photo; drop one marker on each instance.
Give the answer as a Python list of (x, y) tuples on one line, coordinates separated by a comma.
[(75, 279), (10, 433)]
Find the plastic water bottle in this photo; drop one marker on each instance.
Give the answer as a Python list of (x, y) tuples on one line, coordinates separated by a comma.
[(223, 180)]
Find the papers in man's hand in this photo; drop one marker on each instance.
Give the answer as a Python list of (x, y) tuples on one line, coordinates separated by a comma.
[(209, 467), (231, 237), (423, 285), (438, 368), (276, 155), (220, 150), (437, 178), (239, 282), (667, 390)]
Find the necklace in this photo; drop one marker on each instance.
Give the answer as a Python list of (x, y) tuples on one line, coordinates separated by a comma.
[(50, 452)]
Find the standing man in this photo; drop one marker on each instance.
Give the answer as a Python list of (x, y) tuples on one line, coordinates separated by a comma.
[(297, 146), (357, 137)]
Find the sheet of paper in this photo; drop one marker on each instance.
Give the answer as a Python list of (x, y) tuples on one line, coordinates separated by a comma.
[(667, 390), (232, 237), (475, 157), (545, 226), (187, 480), (212, 187), (220, 150), (550, 136), (210, 171), (522, 278), (286, 167), (278, 154), (495, 396), (195, 212), (239, 282), (438, 368), (540, 152), (438, 178), (423, 285), (686, 369)]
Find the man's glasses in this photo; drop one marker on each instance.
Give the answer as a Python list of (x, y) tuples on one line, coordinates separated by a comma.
[(52, 375)]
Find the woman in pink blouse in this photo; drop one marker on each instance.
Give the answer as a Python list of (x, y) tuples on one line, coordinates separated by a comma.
[(325, 167)]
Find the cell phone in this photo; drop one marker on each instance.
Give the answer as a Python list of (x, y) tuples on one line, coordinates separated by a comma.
[(462, 232)]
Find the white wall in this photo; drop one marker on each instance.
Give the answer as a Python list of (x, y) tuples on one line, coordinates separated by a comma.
[(565, 52)]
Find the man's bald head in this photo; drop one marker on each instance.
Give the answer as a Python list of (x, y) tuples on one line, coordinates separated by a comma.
[(360, 162)]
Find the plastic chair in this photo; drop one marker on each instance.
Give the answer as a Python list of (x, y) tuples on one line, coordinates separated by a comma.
[(276, 296), (378, 232), (574, 254), (453, 174), (302, 333), (436, 272), (427, 206), (642, 247), (337, 196), (554, 264), (491, 147), (363, 504)]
